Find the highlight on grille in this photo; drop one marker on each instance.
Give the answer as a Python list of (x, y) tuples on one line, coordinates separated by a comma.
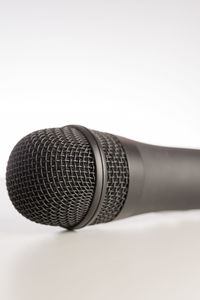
[(51, 176)]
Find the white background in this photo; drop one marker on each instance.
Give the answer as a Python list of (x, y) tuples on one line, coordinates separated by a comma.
[(125, 67)]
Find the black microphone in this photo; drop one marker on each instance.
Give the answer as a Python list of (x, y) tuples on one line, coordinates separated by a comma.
[(73, 177)]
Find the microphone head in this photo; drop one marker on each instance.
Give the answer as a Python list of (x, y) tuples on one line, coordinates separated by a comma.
[(68, 177)]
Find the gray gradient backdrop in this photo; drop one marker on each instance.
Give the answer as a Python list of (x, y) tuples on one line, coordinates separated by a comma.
[(126, 67)]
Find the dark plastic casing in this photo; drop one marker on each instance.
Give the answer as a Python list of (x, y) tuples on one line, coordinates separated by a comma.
[(161, 178)]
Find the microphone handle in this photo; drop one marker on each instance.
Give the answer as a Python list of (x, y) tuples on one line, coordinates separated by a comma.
[(160, 178)]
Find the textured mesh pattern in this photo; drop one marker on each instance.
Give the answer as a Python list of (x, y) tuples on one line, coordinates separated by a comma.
[(117, 177), (51, 176)]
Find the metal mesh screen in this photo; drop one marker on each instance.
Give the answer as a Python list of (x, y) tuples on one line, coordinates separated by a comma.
[(117, 177), (51, 176)]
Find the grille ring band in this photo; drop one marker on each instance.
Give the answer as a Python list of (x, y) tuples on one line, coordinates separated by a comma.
[(101, 178)]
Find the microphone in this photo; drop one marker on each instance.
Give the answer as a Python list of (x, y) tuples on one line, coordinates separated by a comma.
[(73, 177)]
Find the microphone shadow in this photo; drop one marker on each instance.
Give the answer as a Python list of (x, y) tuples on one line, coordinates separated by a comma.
[(153, 256)]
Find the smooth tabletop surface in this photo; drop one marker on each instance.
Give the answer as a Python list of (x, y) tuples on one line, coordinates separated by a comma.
[(151, 256)]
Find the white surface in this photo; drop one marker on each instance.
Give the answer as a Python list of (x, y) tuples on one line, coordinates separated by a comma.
[(125, 67), (152, 256)]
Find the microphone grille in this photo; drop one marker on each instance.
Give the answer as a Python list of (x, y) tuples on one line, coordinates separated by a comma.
[(117, 177), (51, 176)]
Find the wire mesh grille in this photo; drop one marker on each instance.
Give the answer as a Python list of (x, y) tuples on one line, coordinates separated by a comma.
[(51, 176), (117, 177)]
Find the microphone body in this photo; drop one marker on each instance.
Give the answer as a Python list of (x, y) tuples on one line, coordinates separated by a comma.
[(73, 177), (160, 178)]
